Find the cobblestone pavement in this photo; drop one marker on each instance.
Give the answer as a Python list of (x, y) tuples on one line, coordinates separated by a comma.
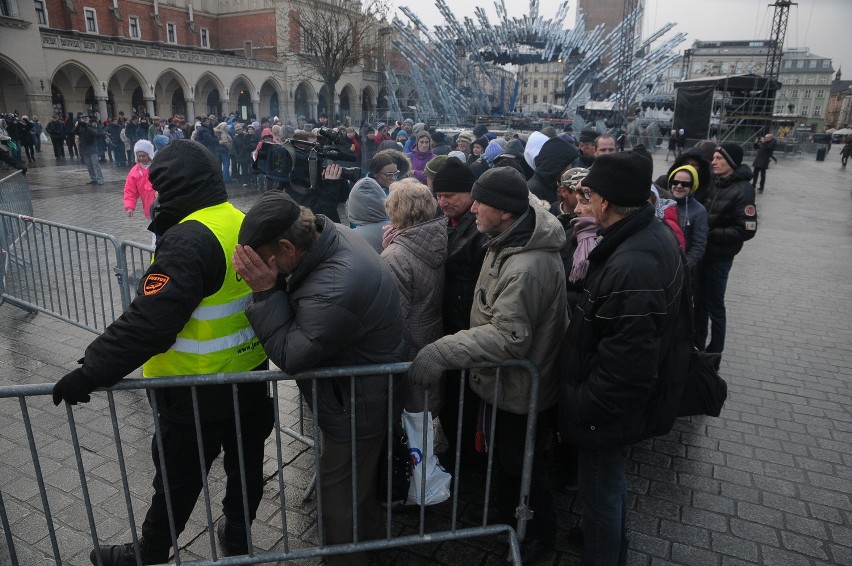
[(768, 482)]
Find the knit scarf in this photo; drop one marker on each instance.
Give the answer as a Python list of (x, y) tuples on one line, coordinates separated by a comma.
[(586, 231)]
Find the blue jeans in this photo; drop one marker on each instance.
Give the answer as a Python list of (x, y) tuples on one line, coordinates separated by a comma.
[(603, 492), (711, 281), (225, 160)]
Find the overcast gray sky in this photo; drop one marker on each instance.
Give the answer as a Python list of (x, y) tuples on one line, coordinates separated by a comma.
[(825, 26)]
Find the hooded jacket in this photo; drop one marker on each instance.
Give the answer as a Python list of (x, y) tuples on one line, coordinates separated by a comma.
[(136, 187), (555, 156), (513, 156), (418, 162), (625, 355), (731, 214), (519, 311), (705, 172), (366, 209), (339, 307), (416, 258), (191, 260)]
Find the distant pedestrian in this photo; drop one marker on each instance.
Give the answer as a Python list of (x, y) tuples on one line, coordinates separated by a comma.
[(56, 130), (765, 147), (87, 131), (846, 152), (138, 184)]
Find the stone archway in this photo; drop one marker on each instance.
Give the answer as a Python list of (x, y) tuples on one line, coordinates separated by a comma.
[(368, 104), (325, 101), (170, 94), (347, 104), (270, 101), (209, 92), (240, 100), (70, 83), (14, 87), (124, 85), (305, 100)]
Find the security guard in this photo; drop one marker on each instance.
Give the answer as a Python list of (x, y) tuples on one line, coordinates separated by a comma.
[(187, 318)]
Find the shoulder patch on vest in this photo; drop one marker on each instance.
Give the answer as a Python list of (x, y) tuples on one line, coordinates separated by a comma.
[(154, 283), (750, 210)]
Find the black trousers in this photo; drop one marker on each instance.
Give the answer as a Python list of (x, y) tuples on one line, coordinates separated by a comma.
[(72, 147), (58, 147), (508, 446), (183, 469), (759, 171), (336, 484)]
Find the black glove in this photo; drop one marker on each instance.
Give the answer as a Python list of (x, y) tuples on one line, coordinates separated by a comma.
[(73, 388), (428, 366)]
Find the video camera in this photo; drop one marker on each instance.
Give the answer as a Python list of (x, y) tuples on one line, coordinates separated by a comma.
[(301, 163)]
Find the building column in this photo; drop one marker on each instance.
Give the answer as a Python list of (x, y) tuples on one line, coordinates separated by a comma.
[(40, 105), (102, 107), (255, 106), (190, 109), (149, 106)]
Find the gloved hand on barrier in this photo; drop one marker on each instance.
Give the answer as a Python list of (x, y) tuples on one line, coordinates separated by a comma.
[(73, 388), (428, 366)]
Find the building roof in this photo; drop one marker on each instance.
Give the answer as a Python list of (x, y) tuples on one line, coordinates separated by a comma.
[(731, 82), (839, 86)]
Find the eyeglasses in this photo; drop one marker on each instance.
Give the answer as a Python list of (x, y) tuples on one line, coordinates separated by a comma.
[(676, 182), (390, 174), (586, 192)]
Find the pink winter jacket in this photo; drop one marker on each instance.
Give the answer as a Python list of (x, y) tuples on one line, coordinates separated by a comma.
[(139, 186)]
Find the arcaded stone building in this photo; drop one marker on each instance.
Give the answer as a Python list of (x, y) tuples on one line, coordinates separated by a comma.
[(184, 57)]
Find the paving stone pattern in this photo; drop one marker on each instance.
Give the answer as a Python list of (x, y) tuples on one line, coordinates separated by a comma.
[(768, 482)]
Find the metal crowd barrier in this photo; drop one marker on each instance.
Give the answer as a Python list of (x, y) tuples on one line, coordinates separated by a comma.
[(72, 510), (15, 194), (61, 270)]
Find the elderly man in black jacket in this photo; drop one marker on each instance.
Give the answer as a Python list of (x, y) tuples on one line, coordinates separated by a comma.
[(335, 304), (452, 184), (625, 355)]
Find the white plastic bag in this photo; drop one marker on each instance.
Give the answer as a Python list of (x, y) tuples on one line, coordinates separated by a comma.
[(437, 478), (43, 138)]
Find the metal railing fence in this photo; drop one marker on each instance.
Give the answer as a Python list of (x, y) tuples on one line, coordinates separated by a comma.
[(61, 270), (76, 529), (15, 194)]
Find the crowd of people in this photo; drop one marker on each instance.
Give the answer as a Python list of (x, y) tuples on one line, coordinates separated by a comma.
[(480, 249)]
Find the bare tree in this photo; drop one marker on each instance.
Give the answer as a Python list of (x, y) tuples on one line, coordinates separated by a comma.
[(328, 38)]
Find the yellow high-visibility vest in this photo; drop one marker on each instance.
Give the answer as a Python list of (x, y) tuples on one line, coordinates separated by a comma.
[(218, 336)]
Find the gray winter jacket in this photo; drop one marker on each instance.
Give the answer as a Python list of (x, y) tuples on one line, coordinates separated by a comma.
[(519, 311), (416, 258), (340, 307)]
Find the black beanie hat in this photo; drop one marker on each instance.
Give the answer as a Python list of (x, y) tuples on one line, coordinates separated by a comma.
[(269, 217), (588, 135), (481, 142), (504, 188), (733, 154), (453, 177), (624, 178)]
